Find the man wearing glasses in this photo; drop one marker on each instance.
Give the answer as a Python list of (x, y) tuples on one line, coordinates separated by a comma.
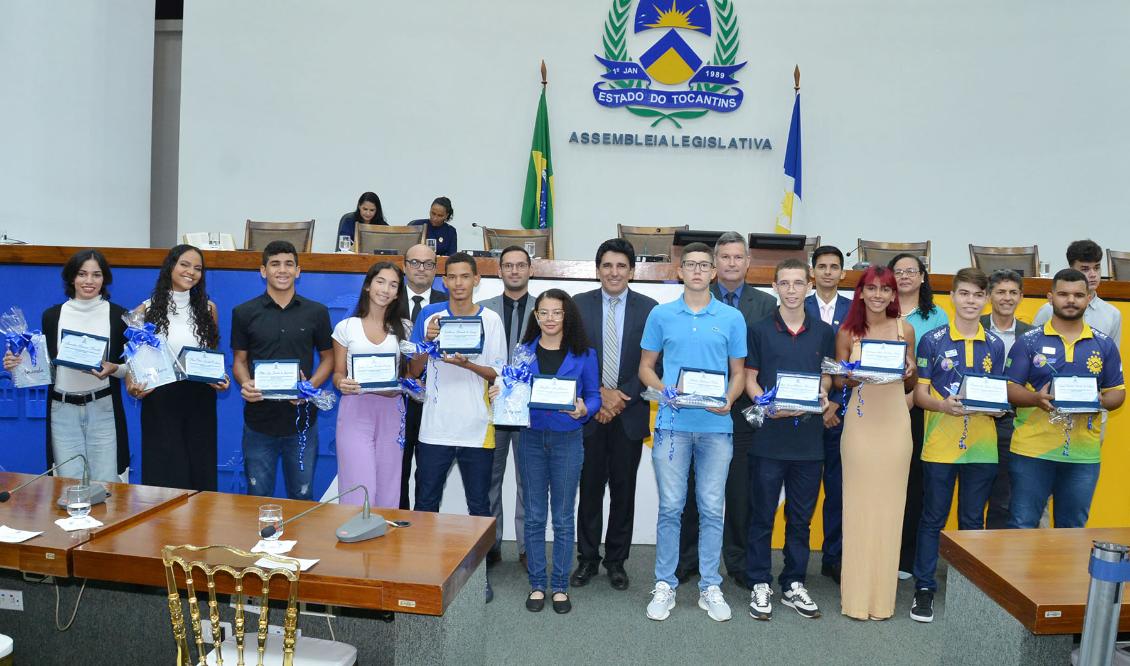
[(696, 332), (513, 305), (419, 275)]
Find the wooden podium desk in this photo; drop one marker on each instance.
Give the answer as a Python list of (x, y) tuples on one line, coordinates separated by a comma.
[(34, 508), (1026, 588), (418, 569)]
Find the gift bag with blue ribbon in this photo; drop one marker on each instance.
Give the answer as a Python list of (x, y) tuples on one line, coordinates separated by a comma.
[(512, 406), (147, 355), (31, 346)]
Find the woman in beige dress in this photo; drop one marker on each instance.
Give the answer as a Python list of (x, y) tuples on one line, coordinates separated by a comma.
[(875, 451)]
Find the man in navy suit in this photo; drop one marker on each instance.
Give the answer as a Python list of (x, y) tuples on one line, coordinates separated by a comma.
[(614, 436), (830, 307)]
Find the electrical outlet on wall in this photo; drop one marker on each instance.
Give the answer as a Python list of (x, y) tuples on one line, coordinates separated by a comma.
[(11, 600)]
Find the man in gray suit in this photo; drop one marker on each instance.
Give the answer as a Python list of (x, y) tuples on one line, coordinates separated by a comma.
[(614, 318), (731, 256), (1006, 290), (514, 306)]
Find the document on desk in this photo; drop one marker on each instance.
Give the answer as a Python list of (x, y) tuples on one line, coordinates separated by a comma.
[(9, 535), (78, 523), (273, 547), (268, 563)]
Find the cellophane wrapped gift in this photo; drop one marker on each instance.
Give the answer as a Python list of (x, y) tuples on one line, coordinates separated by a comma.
[(512, 406), (148, 356), (830, 366), (680, 400), (31, 346)]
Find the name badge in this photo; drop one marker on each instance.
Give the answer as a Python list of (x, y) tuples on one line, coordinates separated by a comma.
[(705, 383), (277, 379), (950, 353), (984, 393), (460, 335), (883, 356), (81, 351), (556, 393), (799, 389), (1076, 394), (202, 365), (374, 371)]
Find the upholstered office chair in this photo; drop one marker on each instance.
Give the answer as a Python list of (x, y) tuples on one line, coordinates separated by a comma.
[(258, 234), (650, 240), (497, 239), (205, 239), (369, 237), (184, 565), (1024, 260), (879, 253), (1118, 264)]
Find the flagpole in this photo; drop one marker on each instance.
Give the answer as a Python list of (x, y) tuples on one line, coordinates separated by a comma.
[(543, 77), (796, 78)]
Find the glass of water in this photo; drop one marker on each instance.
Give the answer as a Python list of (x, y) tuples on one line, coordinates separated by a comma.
[(344, 244), (529, 246), (78, 500), (271, 515), (431, 243)]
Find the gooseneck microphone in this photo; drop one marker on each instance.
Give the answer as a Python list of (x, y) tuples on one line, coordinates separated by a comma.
[(362, 527), (6, 495)]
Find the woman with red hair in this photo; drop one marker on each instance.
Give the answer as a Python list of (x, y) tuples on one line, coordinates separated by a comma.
[(875, 452)]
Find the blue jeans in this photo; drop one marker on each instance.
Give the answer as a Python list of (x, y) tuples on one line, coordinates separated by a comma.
[(433, 463), (1034, 480), (261, 455), (801, 480), (974, 484), (88, 429), (550, 469), (711, 453)]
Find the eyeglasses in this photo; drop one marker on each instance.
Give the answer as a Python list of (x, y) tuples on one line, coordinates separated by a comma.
[(906, 272), (416, 263), (514, 267), (550, 315), (798, 285), (700, 266)]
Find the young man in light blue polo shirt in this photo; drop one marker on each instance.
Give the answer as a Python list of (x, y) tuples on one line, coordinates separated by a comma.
[(697, 331)]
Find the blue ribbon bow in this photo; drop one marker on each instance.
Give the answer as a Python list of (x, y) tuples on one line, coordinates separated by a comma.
[(669, 395), (307, 392), (18, 342), (139, 337), (429, 347), (411, 385), (766, 398), (514, 374)]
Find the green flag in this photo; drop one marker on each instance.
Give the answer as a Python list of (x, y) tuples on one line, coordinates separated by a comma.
[(537, 203)]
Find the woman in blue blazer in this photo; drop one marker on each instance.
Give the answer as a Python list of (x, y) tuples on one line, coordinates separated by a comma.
[(551, 447)]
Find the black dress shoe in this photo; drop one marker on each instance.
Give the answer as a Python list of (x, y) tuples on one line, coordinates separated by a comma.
[(831, 571), (493, 557), (618, 577), (584, 573), (522, 560), (534, 604), (561, 606)]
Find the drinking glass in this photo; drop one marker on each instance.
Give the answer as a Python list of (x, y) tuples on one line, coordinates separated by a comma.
[(213, 240), (78, 500), (529, 245), (431, 243), (1045, 269), (271, 515), (344, 244)]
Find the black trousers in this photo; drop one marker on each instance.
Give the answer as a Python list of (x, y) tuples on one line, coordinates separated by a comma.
[(735, 522), (178, 436), (612, 460), (413, 412), (1001, 493), (912, 512)]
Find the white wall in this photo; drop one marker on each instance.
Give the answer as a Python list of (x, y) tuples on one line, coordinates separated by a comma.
[(1000, 122), (75, 121)]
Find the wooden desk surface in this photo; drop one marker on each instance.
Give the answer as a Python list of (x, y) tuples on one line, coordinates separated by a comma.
[(33, 508), (418, 569), (1039, 576)]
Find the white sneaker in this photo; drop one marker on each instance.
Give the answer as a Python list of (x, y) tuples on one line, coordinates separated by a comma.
[(796, 597), (712, 601), (905, 575), (662, 601), (759, 606)]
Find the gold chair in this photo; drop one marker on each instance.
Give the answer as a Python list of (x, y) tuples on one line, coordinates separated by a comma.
[(497, 239), (650, 240), (258, 234), (879, 253), (236, 564), (1118, 264), (369, 237), (1024, 260)]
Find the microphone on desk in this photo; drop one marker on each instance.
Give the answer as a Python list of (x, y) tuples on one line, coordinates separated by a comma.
[(362, 527), (97, 493), (859, 265)]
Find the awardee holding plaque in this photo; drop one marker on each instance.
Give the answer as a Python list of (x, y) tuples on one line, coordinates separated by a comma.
[(565, 391), (1063, 363), (875, 452), (178, 420), (367, 367), (960, 389)]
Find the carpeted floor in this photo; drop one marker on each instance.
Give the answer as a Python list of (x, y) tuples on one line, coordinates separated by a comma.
[(610, 627)]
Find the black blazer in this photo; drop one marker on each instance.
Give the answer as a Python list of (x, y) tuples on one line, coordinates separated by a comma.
[(117, 346), (754, 305), (637, 307)]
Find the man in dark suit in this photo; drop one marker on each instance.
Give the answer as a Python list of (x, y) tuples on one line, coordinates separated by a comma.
[(827, 305), (419, 276), (614, 318), (1006, 290), (731, 258)]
